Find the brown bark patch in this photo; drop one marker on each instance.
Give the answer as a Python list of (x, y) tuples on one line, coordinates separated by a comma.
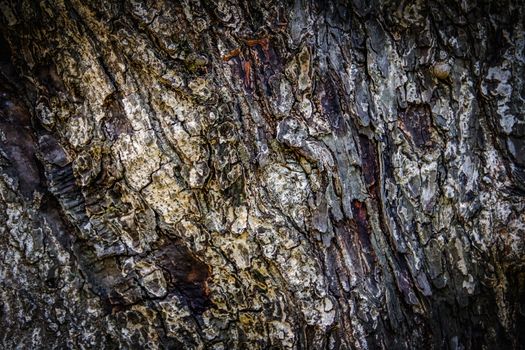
[(18, 143), (416, 124), (115, 123), (331, 107), (187, 275), (48, 76), (369, 164)]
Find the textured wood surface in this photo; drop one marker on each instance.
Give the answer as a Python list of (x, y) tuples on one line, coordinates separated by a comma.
[(262, 174)]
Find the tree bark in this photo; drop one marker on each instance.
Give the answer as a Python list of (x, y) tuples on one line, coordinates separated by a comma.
[(262, 174)]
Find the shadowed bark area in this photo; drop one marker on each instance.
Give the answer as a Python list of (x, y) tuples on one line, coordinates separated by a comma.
[(262, 174)]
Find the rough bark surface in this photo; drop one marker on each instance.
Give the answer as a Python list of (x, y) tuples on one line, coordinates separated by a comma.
[(262, 174)]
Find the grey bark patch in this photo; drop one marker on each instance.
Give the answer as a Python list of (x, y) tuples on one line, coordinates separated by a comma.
[(52, 152)]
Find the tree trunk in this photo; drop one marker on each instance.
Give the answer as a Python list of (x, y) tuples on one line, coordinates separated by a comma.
[(262, 175)]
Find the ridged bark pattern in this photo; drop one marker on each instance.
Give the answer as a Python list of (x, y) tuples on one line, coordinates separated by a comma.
[(262, 174)]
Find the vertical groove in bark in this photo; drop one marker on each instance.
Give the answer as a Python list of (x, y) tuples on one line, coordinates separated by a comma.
[(308, 174)]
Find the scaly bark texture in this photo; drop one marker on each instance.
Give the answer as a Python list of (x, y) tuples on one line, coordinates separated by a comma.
[(262, 174)]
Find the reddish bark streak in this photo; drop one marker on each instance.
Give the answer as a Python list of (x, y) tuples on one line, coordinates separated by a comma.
[(231, 54), (247, 66), (263, 43)]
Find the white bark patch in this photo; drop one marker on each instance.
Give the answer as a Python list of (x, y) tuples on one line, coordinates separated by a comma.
[(288, 188), (503, 92), (135, 112), (168, 197), (140, 156)]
